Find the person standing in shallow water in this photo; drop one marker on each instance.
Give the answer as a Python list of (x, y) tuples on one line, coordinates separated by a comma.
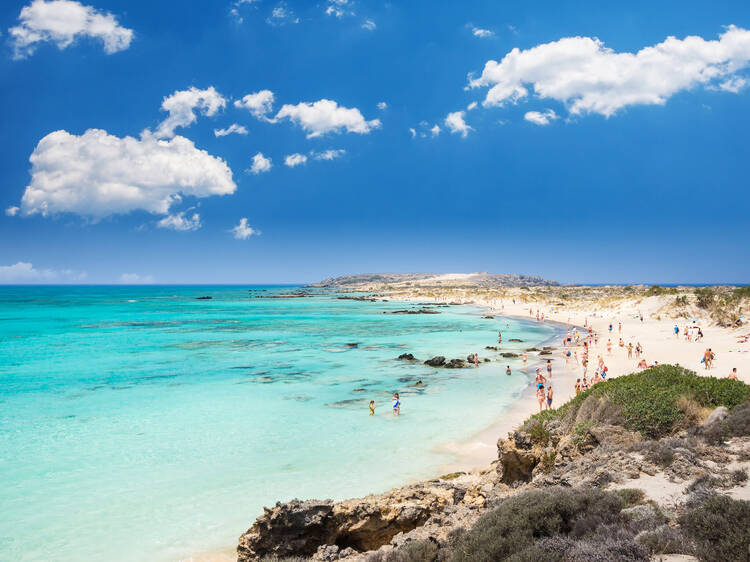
[(396, 404), (372, 407)]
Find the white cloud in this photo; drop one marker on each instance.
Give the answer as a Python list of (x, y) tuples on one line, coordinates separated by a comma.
[(97, 174), (589, 77), (234, 10), (12, 211), (243, 231), (260, 164), (326, 116), (259, 103), (733, 85), (540, 118), (483, 33), (295, 159), (233, 129), (181, 107), (338, 8), (471, 106), (135, 279), (456, 124), (62, 22), (180, 222), (382, 105), (435, 130), (330, 154), (24, 272), (369, 25), (281, 15), (413, 132)]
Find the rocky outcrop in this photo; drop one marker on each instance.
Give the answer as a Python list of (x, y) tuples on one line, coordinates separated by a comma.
[(407, 357), (517, 458), (437, 361), (414, 311), (304, 528)]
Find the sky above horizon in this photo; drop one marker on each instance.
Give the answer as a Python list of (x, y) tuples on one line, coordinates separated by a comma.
[(261, 141)]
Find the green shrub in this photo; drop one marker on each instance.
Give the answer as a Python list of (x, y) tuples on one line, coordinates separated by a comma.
[(548, 461), (742, 292), (521, 519), (416, 551), (705, 297), (656, 290), (631, 496), (739, 477), (538, 432), (719, 527), (649, 401)]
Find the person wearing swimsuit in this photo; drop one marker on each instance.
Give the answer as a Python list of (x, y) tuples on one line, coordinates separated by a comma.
[(396, 404), (372, 407), (549, 397)]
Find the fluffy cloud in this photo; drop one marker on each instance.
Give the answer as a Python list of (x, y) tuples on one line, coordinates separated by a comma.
[(456, 124), (295, 159), (382, 105), (734, 85), (260, 164), (135, 279), (24, 272), (233, 129), (243, 231), (62, 22), (181, 107), (478, 32), (97, 174), (435, 130), (540, 118), (180, 222), (12, 211), (326, 116), (588, 77), (338, 8), (281, 15), (369, 25), (259, 103), (330, 154)]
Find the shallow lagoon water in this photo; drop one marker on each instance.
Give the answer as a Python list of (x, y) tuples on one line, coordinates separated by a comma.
[(138, 423)]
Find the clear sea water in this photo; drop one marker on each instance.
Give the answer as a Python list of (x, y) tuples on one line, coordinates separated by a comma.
[(138, 423)]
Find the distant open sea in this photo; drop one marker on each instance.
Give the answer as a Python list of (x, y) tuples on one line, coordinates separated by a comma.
[(139, 423)]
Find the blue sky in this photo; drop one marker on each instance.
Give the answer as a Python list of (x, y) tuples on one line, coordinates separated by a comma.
[(585, 158)]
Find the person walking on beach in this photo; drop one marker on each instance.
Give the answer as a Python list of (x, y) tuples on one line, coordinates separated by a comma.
[(676, 331), (609, 347), (372, 407), (549, 397), (630, 350), (396, 404), (540, 397), (578, 386), (549, 368)]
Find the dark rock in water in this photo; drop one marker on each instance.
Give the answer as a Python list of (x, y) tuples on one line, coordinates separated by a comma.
[(515, 340), (532, 349), (437, 361), (359, 390), (352, 345), (509, 355), (455, 364), (203, 298), (419, 383), (486, 360), (407, 357), (414, 311), (492, 347), (548, 348), (545, 352), (488, 317)]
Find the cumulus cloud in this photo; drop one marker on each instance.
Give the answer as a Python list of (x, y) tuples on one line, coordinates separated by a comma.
[(295, 159), (12, 211), (483, 33), (281, 15), (435, 130), (243, 231), (588, 77), (369, 25), (326, 116), (734, 85), (136, 279), (260, 164), (339, 8), (456, 124), (62, 22), (330, 154), (24, 272), (180, 222), (181, 107), (540, 118), (233, 129), (382, 105), (259, 103), (235, 9), (97, 174)]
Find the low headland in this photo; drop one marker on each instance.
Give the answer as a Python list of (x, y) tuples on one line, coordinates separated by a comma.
[(649, 464)]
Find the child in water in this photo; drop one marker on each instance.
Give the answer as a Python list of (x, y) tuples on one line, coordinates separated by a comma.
[(507, 370), (372, 407), (396, 404)]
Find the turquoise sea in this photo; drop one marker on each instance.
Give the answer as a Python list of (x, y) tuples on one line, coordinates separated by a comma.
[(139, 423)]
